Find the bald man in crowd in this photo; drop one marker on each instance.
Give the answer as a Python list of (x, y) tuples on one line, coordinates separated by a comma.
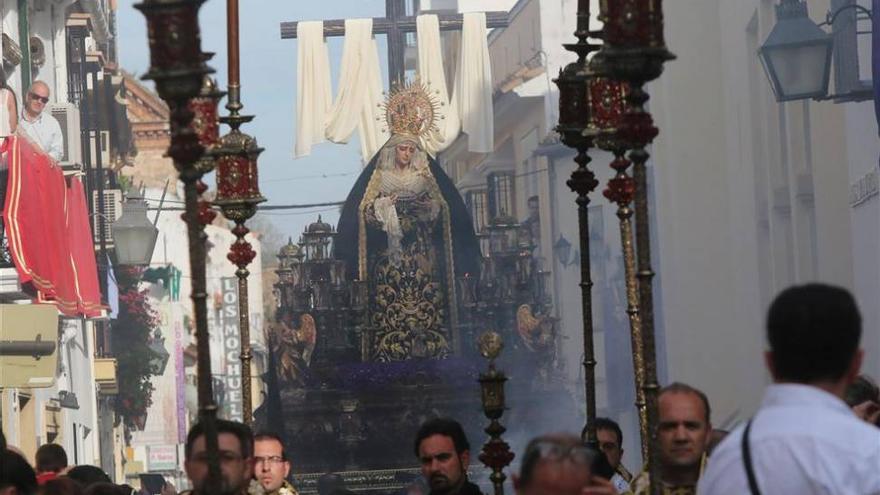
[(560, 464)]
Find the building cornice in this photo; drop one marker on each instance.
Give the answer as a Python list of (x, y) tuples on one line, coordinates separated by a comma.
[(143, 104)]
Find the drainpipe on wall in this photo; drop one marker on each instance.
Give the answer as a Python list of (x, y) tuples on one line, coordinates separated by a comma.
[(24, 41)]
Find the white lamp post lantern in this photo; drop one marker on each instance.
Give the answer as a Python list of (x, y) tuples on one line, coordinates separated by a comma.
[(797, 54), (133, 234)]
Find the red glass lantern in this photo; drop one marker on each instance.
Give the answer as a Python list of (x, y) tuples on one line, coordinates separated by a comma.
[(238, 189), (632, 23), (176, 60), (606, 99), (206, 115)]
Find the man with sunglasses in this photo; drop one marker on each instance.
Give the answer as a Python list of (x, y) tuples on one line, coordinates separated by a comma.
[(271, 466), (41, 127)]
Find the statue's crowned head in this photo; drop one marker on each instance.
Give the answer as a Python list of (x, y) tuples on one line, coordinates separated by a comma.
[(412, 111)]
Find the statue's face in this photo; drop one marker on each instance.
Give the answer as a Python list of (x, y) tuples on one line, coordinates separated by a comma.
[(404, 154)]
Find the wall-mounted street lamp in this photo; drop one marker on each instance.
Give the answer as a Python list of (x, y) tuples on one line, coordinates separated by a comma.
[(133, 234), (562, 251), (160, 356), (797, 54)]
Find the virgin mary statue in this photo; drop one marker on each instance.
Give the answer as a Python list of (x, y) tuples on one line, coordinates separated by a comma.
[(405, 230)]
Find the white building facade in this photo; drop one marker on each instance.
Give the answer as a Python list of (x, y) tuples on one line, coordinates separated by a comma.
[(42, 41)]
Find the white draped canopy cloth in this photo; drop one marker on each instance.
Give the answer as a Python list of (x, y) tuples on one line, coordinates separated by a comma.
[(359, 95), (432, 75), (473, 86), (313, 98)]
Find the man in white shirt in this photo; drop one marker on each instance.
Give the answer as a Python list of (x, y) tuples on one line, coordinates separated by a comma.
[(41, 127), (804, 439)]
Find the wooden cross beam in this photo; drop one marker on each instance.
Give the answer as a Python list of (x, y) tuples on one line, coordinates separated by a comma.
[(395, 25)]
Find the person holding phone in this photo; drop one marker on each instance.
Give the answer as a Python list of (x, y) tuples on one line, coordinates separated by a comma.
[(152, 484)]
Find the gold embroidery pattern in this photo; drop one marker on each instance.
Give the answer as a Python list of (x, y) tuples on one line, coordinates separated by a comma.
[(408, 312), (641, 485)]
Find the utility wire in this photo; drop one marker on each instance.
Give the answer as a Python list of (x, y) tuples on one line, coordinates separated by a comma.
[(262, 208), (301, 206), (306, 177)]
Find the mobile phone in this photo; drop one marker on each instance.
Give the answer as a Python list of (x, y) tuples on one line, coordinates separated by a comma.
[(152, 483)]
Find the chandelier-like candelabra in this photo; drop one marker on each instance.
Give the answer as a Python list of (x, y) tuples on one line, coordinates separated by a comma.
[(311, 282), (177, 65), (510, 278), (496, 454)]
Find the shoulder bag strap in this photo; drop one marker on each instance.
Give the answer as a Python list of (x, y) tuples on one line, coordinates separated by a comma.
[(747, 460)]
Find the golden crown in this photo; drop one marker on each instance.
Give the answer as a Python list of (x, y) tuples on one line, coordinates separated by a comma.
[(412, 110)]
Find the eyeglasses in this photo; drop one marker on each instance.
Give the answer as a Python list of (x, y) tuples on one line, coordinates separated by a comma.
[(225, 457), (34, 96), (578, 454), (269, 460)]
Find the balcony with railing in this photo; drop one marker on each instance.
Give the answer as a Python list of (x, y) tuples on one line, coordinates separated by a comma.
[(47, 250)]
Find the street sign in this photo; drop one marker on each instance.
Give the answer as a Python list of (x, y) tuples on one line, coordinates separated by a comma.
[(162, 458)]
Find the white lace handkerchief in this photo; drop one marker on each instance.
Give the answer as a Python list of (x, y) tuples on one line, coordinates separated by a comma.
[(386, 213)]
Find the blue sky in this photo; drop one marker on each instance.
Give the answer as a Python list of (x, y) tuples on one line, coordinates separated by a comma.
[(268, 73)]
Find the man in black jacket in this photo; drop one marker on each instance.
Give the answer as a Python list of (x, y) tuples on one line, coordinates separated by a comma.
[(444, 453)]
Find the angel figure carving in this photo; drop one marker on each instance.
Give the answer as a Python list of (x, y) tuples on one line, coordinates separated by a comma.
[(537, 332), (293, 349)]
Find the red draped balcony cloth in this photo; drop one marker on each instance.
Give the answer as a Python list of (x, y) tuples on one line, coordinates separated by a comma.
[(47, 224)]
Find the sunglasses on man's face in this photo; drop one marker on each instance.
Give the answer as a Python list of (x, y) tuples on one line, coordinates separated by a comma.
[(34, 96)]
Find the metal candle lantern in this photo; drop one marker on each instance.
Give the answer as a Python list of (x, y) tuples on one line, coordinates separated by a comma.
[(177, 65), (206, 125), (317, 239), (206, 118), (238, 195), (635, 24), (574, 120), (607, 108), (503, 235), (496, 454), (634, 52)]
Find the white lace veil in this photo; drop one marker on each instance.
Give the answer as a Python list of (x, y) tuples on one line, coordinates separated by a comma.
[(387, 155)]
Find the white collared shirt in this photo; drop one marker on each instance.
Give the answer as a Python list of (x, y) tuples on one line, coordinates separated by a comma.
[(44, 131), (803, 441)]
